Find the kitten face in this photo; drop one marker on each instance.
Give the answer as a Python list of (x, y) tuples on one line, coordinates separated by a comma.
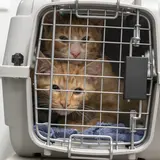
[(74, 98), (75, 50)]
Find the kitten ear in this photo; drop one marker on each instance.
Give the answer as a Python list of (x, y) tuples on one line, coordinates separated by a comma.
[(93, 69), (97, 22), (48, 18), (62, 18), (44, 65)]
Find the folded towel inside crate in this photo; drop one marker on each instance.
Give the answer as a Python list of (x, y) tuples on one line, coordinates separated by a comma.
[(123, 134)]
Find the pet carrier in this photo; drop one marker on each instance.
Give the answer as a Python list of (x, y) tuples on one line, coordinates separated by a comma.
[(128, 48)]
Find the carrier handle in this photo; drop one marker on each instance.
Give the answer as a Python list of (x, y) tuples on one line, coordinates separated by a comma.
[(98, 17), (85, 156)]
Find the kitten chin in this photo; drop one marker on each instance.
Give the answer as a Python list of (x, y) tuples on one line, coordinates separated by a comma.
[(63, 113)]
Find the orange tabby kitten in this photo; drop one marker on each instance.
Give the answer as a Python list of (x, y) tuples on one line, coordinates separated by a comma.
[(75, 97), (92, 99), (62, 33)]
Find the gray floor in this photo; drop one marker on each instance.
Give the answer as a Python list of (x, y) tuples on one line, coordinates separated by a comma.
[(15, 157)]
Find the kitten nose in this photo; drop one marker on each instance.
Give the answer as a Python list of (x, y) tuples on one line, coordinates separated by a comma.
[(75, 54), (64, 105)]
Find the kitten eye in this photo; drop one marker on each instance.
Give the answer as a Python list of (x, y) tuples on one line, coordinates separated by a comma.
[(63, 38), (55, 87), (85, 38), (78, 91)]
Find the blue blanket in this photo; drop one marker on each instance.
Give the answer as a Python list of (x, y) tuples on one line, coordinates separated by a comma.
[(123, 134)]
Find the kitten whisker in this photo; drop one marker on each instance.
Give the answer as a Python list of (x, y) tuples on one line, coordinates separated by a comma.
[(86, 107)]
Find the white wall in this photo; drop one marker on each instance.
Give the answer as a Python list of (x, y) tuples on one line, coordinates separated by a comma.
[(5, 15)]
